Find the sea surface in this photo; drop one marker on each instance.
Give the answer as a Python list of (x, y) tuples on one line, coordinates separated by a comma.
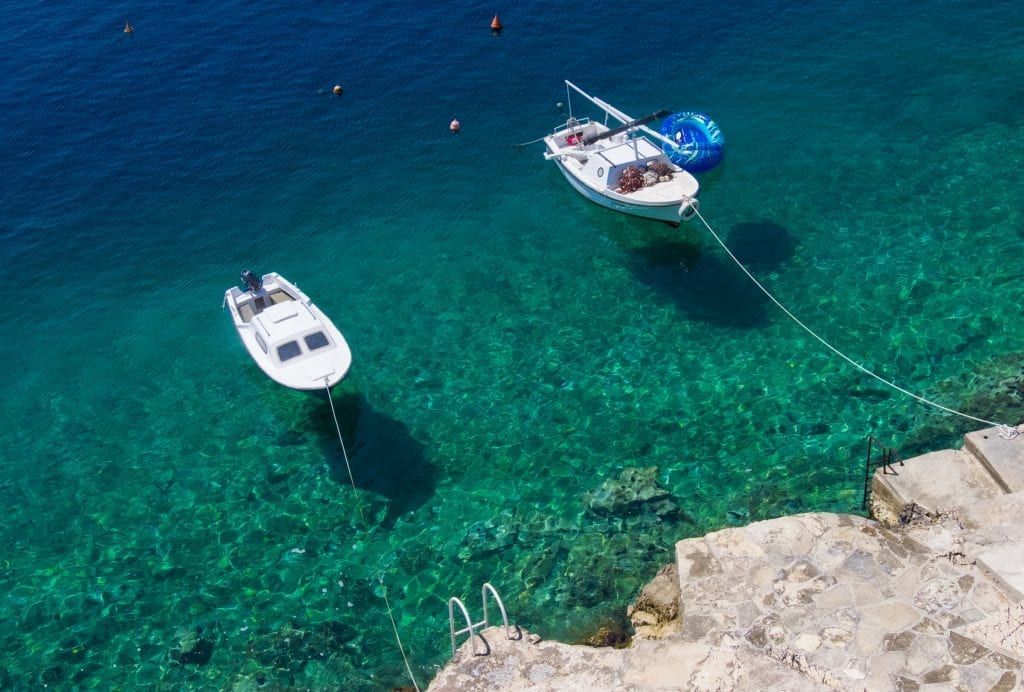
[(545, 395)]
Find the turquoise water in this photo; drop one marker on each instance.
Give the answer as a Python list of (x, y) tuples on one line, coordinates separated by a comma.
[(176, 519)]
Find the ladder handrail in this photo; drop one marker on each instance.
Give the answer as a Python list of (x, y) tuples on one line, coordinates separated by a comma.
[(501, 606), (470, 625), (451, 623)]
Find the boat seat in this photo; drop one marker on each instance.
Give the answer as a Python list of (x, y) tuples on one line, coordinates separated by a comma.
[(245, 311)]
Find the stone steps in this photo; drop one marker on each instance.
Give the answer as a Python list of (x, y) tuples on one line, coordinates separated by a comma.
[(850, 604), (982, 484), (1003, 459)]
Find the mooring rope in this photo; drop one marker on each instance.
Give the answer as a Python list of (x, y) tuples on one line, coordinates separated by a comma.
[(1005, 431), (344, 452), (532, 141), (359, 506)]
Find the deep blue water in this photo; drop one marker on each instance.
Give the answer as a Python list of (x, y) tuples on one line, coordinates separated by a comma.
[(516, 348)]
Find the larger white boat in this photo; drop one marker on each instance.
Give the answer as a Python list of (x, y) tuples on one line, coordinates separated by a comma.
[(288, 336), (627, 168)]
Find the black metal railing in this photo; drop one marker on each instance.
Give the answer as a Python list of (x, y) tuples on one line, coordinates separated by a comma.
[(889, 456)]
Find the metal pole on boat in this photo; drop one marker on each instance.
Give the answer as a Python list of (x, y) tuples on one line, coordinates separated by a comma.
[(633, 124), (608, 108), (615, 112)]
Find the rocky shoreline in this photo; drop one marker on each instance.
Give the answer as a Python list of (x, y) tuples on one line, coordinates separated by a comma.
[(930, 592)]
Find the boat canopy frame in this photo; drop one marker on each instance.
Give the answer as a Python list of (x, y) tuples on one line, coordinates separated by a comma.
[(610, 110)]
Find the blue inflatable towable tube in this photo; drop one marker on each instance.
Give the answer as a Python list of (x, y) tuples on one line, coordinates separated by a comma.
[(699, 144)]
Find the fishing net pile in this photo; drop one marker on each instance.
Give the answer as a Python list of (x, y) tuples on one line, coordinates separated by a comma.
[(632, 179), (635, 177)]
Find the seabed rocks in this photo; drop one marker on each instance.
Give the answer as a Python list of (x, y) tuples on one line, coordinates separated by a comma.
[(931, 596)]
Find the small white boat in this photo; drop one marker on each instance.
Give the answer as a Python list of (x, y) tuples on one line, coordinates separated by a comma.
[(288, 336), (625, 168)]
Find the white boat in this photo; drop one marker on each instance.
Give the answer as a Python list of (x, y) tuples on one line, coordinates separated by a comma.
[(288, 336), (625, 167)]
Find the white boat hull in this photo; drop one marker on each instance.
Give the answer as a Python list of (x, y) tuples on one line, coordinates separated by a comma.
[(667, 211), (291, 340), (624, 169)]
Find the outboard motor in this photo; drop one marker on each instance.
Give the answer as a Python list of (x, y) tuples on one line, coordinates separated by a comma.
[(251, 281)]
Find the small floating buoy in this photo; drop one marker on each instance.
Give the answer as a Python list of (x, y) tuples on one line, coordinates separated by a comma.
[(495, 23), (455, 126), (128, 28), (337, 89)]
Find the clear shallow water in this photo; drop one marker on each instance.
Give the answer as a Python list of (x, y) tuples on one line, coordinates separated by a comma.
[(516, 348)]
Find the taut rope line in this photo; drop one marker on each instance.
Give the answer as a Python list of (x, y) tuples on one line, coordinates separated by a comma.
[(532, 141), (1005, 431), (344, 452), (359, 506)]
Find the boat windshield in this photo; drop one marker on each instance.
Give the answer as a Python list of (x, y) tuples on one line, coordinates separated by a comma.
[(316, 340), (289, 350)]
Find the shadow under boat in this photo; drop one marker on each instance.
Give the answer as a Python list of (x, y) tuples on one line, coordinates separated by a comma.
[(702, 281), (385, 459)]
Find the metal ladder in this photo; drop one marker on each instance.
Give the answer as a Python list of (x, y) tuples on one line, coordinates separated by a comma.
[(889, 456), (470, 625)]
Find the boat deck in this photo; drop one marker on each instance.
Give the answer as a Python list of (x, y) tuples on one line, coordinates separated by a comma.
[(250, 305)]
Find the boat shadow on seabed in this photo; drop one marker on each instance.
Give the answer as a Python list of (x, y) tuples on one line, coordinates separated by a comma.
[(386, 460), (700, 279)]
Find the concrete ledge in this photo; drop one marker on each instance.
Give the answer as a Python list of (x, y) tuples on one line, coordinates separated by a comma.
[(1005, 565), (936, 481), (530, 664), (1004, 459)]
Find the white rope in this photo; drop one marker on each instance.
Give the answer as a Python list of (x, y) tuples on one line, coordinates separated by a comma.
[(384, 590), (344, 452), (359, 506), (1005, 431), (532, 141)]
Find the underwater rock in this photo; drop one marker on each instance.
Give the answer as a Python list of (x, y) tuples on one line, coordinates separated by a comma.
[(611, 634), (541, 563), (588, 590), (418, 557), (279, 473), (193, 648), (294, 645), (636, 491), (486, 538), (737, 517), (166, 570)]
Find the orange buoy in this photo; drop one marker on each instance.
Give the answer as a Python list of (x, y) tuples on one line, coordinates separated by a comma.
[(337, 89), (495, 23), (128, 28), (455, 126)]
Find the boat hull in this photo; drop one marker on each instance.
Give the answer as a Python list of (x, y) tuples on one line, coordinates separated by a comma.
[(668, 213), (624, 168), (264, 330)]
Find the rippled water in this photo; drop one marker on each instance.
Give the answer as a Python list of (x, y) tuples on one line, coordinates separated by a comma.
[(545, 395)]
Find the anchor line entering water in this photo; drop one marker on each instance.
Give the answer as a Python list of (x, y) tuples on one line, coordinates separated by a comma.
[(1006, 432), (359, 507), (344, 452)]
